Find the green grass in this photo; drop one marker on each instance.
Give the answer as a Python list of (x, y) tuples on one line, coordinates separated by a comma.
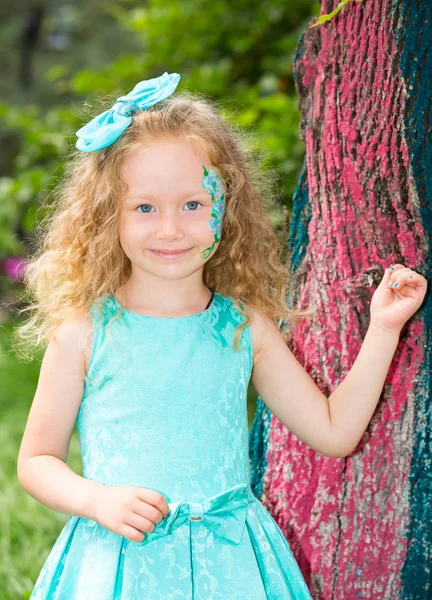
[(28, 529)]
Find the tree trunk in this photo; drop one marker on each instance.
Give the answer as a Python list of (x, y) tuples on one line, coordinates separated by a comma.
[(360, 527)]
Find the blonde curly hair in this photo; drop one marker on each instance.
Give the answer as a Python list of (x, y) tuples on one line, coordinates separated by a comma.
[(79, 259)]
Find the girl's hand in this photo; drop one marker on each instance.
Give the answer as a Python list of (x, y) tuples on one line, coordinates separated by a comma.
[(128, 510), (392, 305)]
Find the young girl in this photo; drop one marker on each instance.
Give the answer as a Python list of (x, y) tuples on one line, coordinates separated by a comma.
[(157, 286)]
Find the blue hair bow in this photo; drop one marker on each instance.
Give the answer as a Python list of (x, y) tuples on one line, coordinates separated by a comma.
[(104, 129)]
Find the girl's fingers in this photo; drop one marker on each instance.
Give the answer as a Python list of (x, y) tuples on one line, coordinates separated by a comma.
[(402, 276), (395, 275)]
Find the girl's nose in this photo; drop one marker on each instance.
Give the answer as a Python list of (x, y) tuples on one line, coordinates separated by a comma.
[(169, 227)]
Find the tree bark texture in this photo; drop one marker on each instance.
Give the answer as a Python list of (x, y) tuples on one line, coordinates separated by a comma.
[(361, 526)]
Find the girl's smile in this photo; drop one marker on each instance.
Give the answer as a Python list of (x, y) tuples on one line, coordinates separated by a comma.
[(169, 254)]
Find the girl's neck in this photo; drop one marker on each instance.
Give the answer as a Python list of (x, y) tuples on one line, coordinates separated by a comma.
[(164, 304)]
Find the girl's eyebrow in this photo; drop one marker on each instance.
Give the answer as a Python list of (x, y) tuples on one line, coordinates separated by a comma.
[(156, 197)]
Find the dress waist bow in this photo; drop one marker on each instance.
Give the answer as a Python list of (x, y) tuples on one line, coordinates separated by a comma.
[(224, 514)]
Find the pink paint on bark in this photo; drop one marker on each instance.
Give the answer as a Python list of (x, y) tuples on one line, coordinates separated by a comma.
[(345, 519)]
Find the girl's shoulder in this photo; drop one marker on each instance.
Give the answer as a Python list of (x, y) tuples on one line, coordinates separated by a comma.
[(99, 312), (264, 331), (76, 331)]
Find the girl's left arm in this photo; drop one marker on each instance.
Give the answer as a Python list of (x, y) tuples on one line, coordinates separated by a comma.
[(335, 425)]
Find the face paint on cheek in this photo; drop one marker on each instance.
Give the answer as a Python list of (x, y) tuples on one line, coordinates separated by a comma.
[(212, 183)]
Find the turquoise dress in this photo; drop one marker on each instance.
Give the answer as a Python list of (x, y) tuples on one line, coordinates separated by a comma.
[(164, 407)]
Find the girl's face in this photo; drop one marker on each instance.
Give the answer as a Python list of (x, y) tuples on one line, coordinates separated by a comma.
[(166, 208)]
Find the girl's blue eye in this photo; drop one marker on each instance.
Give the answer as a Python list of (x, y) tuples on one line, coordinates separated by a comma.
[(194, 202), (144, 205), (190, 202)]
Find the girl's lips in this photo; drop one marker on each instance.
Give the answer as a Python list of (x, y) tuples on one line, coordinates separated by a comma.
[(170, 255)]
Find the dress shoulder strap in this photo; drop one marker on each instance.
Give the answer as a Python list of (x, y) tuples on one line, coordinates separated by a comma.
[(102, 311)]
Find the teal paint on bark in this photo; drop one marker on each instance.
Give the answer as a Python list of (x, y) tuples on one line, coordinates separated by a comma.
[(413, 37)]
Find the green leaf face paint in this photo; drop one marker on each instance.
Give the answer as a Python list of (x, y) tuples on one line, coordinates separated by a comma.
[(212, 183)]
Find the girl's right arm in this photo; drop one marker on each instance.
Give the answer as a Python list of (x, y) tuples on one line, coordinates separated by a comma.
[(42, 471), (41, 468)]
